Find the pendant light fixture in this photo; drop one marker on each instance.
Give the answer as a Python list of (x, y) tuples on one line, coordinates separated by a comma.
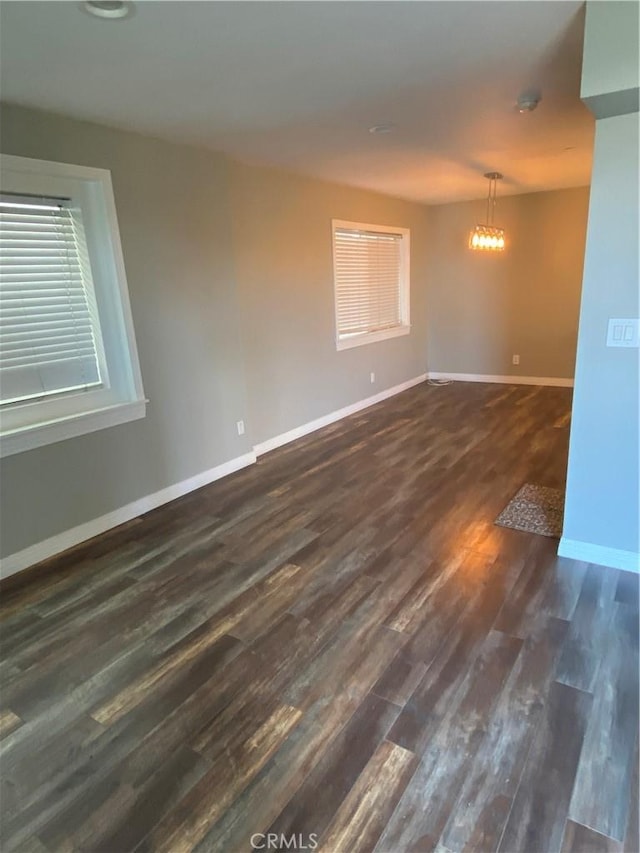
[(486, 237)]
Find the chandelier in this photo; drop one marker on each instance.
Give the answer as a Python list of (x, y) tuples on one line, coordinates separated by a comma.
[(487, 237)]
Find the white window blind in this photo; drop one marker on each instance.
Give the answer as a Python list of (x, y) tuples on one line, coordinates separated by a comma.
[(49, 333), (368, 281)]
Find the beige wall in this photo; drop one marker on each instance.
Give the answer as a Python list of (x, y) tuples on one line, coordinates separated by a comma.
[(230, 277), (603, 489), (284, 269), (602, 507), (483, 308), (173, 213), (205, 274)]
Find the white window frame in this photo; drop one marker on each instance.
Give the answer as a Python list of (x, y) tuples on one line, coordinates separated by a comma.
[(34, 423), (405, 285)]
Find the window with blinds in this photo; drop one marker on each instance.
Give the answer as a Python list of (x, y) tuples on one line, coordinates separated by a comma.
[(371, 282), (68, 358), (49, 330)]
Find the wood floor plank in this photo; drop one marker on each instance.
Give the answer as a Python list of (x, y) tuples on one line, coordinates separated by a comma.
[(257, 605), (32, 844), (187, 823), (326, 712), (70, 597), (176, 660), (32, 777), (563, 421), (601, 795), (479, 814), (439, 579), (135, 741), (192, 714), (319, 797), (133, 616), (368, 806), (448, 671), (541, 804), (460, 581), (117, 815), (63, 707), (632, 835), (581, 839), (8, 722), (590, 626), (627, 590), (426, 804), (549, 585), (59, 708), (338, 640), (400, 679)]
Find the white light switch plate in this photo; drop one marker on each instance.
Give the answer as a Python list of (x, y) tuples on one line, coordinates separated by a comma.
[(623, 333)]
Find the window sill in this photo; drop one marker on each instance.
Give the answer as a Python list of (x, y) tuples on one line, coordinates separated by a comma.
[(372, 337), (37, 435)]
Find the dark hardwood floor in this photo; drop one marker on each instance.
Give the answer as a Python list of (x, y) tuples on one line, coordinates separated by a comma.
[(335, 644)]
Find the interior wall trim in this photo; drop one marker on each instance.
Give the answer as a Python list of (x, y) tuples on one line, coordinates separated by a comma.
[(292, 434), (28, 557), (554, 381), (601, 555)]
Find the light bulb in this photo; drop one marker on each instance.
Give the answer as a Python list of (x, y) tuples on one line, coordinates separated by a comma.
[(501, 243), (475, 241)]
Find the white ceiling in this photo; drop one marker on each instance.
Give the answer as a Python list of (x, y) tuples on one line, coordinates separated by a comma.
[(297, 85)]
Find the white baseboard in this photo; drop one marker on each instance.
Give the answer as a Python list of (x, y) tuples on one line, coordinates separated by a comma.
[(68, 538), (555, 381), (332, 417), (587, 552), (14, 563)]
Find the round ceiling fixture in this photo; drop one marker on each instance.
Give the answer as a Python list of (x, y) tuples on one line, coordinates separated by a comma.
[(382, 128), (108, 8), (528, 101)]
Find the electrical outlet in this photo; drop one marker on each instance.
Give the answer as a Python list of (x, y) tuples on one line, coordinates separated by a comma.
[(515, 359), (373, 378), (240, 426)]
